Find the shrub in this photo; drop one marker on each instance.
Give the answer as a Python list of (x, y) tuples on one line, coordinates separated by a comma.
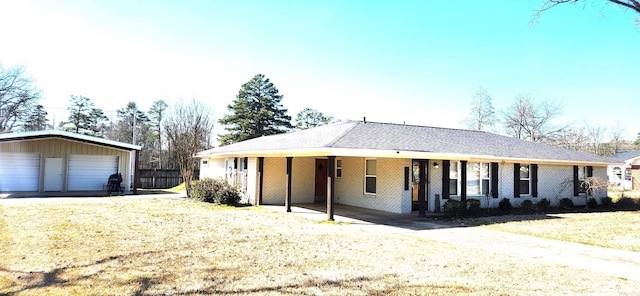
[(592, 203), (626, 203), (544, 205), (454, 208), (527, 205), (215, 191), (505, 205), (473, 207), (606, 201), (566, 203)]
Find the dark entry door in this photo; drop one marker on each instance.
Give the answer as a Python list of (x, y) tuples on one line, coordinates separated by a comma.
[(321, 180), (415, 184)]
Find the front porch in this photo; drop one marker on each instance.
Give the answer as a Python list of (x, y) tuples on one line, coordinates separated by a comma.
[(363, 216)]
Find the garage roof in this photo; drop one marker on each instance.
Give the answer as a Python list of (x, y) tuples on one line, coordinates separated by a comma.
[(11, 137)]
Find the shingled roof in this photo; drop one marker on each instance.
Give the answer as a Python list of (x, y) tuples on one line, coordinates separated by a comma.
[(624, 156), (375, 139)]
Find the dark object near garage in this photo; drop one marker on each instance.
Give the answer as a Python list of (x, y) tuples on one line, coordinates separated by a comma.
[(113, 184)]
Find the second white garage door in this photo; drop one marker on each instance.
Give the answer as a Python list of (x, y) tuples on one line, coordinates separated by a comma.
[(90, 172)]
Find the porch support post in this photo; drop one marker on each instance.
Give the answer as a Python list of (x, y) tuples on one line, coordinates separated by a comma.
[(330, 187), (287, 200), (422, 201), (260, 180)]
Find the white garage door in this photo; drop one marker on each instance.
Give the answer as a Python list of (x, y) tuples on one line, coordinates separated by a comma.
[(90, 172), (19, 172)]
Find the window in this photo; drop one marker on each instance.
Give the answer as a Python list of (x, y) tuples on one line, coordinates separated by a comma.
[(453, 178), (485, 176), (582, 177), (525, 179), (204, 162), (478, 178), (617, 174), (338, 168), (370, 176)]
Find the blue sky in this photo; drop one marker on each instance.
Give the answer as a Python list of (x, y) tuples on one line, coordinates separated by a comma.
[(417, 62)]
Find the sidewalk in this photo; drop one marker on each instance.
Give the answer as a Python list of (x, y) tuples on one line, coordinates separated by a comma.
[(598, 260)]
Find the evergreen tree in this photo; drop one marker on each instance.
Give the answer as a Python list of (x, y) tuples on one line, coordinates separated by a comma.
[(78, 115), (156, 116), (97, 123), (36, 120), (308, 118), (124, 127), (257, 111)]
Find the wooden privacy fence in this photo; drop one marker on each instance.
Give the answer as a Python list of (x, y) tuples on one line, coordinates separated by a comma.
[(161, 179)]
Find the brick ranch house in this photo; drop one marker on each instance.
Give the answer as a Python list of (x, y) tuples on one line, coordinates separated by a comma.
[(399, 168)]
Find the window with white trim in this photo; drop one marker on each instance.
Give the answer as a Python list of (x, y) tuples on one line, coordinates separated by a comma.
[(478, 178), (525, 180), (617, 174), (338, 168), (370, 176), (453, 178)]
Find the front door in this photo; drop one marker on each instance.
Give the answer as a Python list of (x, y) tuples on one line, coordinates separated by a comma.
[(53, 174), (321, 179), (415, 185)]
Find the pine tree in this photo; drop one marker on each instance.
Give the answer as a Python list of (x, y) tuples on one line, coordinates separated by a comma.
[(36, 120), (257, 111)]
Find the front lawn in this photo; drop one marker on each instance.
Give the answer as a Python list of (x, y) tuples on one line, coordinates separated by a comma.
[(150, 246), (615, 229)]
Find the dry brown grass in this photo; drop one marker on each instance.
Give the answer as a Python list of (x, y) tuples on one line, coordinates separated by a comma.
[(155, 246), (617, 230)]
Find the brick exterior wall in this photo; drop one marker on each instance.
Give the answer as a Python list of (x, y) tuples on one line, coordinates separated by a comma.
[(390, 194), (554, 183)]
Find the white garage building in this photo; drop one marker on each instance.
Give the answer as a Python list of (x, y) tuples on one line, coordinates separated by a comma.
[(58, 161)]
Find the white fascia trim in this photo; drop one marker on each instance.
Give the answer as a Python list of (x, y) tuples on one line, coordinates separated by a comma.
[(350, 152)]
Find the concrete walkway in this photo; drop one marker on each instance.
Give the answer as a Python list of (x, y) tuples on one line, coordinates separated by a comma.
[(597, 260)]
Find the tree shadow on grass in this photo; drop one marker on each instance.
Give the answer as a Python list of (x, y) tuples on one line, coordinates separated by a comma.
[(386, 284), (53, 278)]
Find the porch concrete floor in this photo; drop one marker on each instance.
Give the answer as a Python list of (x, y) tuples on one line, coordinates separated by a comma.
[(362, 216)]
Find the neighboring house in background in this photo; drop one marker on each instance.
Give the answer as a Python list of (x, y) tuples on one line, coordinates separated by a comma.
[(58, 161), (624, 170), (400, 168)]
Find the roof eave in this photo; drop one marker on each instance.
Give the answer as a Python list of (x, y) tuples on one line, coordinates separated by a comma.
[(374, 153)]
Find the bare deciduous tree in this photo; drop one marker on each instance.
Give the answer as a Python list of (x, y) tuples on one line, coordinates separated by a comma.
[(482, 115), (532, 121), (188, 128), (633, 5), (571, 138), (18, 95), (596, 139), (616, 135)]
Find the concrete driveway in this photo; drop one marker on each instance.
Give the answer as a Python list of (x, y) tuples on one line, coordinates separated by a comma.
[(597, 260)]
